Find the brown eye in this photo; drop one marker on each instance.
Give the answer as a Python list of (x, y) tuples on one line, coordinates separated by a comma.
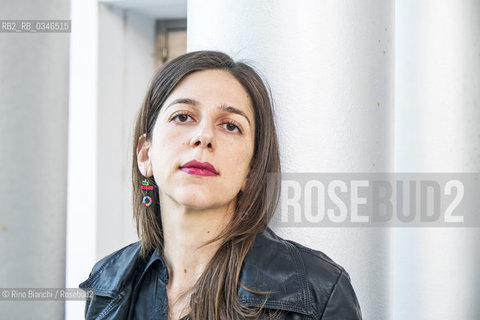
[(182, 117), (232, 127)]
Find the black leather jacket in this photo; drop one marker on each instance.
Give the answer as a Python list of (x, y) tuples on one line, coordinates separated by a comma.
[(306, 284)]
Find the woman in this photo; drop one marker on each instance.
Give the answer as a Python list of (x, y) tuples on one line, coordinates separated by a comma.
[(205, 142)]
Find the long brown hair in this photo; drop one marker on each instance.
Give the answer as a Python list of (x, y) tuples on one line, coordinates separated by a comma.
[(215, 293)]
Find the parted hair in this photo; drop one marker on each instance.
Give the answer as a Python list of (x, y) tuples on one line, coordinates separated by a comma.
[(214, 296)]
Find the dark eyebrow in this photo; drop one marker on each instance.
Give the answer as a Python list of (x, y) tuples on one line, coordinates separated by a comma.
[(231, 109), (223, 107), (183, 101)]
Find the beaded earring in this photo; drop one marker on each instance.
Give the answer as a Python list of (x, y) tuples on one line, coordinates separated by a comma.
[(147, 200)]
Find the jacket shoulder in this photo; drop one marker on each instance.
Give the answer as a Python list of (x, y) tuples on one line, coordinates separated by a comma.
[(304, 280), (315, 263), (111, 273), (331, 292), (318, 264)]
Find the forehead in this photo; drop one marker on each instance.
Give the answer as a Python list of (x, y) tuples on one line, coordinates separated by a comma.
[(213, 87)]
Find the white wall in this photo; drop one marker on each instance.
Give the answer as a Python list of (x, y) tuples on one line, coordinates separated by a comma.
[(330, 66), (126, 64)]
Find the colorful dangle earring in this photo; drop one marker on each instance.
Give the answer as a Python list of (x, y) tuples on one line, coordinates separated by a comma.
[(147, 200)]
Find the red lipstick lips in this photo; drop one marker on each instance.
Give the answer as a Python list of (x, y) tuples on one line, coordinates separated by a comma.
[(199, 168)]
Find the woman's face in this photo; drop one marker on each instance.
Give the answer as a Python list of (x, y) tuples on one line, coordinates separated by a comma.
[(206, 121)]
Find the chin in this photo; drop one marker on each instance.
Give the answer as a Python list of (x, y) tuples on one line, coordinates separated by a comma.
[(202, 202)]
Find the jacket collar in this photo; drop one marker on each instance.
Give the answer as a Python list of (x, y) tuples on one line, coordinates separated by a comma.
[(272, 266)]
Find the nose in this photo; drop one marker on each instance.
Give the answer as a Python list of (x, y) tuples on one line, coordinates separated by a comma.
[(204, 137)]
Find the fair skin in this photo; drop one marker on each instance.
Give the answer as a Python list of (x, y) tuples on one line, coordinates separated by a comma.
[(207, 118)]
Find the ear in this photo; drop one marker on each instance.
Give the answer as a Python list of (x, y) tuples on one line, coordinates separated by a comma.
[(143, 156)]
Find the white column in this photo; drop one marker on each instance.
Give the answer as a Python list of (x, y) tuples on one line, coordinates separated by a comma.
[(82, 150), (330, 66), (437, 130)]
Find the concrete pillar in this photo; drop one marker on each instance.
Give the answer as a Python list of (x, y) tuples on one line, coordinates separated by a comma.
[(330, 66), (33, 158), (437, 130)]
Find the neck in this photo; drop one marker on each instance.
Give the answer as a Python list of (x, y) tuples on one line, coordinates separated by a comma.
[(185, 232)]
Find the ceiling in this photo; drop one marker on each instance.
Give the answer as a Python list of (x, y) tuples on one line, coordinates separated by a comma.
[(159, 9)]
